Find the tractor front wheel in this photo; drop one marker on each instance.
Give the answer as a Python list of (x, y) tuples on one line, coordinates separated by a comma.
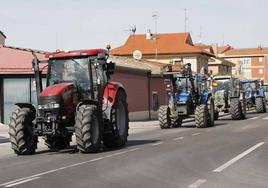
[(23, 141), (119, 120), (88, 129), (236, 109), (164, 118), (201, 116), (211, 111), (260, 105)]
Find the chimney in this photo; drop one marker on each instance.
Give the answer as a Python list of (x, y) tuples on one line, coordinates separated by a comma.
[(260, 47), (149, 35), (2, 38)]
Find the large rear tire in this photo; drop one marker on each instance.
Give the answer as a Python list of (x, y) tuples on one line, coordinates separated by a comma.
[(260, 105), (22, 138), (201, 116), (236, 110), (164, 118), (119, 120), (88, 129)]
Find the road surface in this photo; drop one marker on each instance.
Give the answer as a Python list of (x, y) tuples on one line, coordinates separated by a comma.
[(232, 154)]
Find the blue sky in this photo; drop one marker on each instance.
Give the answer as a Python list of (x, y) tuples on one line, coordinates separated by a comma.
[(80, 24)]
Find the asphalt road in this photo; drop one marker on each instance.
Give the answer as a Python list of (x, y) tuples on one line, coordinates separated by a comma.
[(231, 154)]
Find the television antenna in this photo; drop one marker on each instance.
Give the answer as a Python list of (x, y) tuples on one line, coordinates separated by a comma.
[(132, 29)]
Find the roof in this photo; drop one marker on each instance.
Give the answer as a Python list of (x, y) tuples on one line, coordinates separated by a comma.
[(205, 47), (15, 60), (88, 52), (130, 63), (223, 49), (259, 51), (220, 61), (170, 43)]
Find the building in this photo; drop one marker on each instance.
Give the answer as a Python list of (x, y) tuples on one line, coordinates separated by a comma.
[(165, 48), (250, 63)]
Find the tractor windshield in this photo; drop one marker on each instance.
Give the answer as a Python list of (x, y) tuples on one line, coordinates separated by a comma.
[(222, 84), (183, 84), (250, 86), (68, 70)]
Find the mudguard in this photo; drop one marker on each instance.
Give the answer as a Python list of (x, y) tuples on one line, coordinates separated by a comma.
[(109, 96), (261, 92)]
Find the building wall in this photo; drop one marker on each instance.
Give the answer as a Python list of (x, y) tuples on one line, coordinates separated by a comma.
[(157, 90), (136, 86)]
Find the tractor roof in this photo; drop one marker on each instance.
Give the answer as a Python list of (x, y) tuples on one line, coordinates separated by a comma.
[(249, 81), (76, 53)]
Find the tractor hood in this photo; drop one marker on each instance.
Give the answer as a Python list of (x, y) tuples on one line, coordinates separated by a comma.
[(56, 90), (182, 96)]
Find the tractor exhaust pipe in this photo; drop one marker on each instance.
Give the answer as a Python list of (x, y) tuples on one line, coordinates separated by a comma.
[(38, 76)]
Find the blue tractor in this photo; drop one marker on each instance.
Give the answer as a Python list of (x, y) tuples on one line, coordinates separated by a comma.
[(187, 95), (254, 94)]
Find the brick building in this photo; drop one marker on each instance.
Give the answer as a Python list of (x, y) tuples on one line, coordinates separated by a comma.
[(250, 63)]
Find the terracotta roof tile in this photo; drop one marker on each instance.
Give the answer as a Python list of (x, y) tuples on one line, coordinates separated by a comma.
[(171, 43), (15, 60), (247, 51)]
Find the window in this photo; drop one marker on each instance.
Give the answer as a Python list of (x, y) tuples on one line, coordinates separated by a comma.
[(15, 90), (247, 73), (245, 61), (261, 71), (260, 59), (155, 101)]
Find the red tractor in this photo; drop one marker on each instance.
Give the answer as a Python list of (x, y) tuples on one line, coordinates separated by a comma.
[(78, 99)]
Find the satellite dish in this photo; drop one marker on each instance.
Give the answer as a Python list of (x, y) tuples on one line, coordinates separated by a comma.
[(137, 54)]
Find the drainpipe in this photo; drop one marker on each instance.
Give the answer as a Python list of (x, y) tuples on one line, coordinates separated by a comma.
[(149, 93)]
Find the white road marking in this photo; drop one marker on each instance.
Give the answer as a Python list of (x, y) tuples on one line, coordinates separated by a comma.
[(20, 182), (254, 118), (35, 176), (158, 143), (197, 183), (238, 157), (178, 138), (265, 118), (195, 134)]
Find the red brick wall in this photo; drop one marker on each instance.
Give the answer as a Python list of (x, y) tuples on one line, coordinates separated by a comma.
[(157, 84), (136, 86)]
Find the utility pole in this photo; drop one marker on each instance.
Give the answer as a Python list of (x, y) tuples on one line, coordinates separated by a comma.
[(185, 20), (155, 17)]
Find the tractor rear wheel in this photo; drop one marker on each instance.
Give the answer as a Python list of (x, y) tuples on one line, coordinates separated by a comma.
[(260, 105), (58, 142), (88, 129), (211, 111), (201, 116), (119, 120), (164, 117), (22, 138), (236, 110), (244, 108)]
